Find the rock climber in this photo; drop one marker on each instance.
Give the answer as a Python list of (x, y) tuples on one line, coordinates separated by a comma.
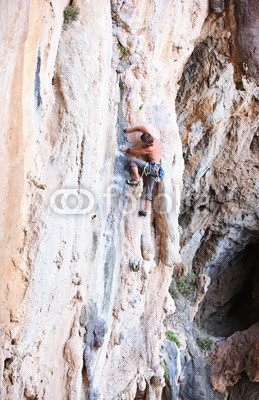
[(152, 148)]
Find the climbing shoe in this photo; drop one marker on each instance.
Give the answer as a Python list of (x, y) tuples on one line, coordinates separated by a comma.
[(142, 213), (132, 182)]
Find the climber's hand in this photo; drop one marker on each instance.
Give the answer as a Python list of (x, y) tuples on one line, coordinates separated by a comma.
[(125, 130), (124, 149)]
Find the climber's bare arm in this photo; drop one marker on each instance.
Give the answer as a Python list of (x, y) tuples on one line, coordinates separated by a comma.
[(140, 128), (142, 152)]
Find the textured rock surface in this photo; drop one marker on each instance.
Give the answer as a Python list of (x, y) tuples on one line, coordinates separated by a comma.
[(195, 379), (252, 362), (218, 121), (172, 367), (76, 320), (232, 357)]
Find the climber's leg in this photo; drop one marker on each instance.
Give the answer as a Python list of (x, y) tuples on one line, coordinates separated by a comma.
[(135, 173), (136, 167), (149, 185), (146, 208)]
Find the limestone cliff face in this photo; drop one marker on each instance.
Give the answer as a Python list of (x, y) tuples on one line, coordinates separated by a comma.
[(76, 321), (217, 108)]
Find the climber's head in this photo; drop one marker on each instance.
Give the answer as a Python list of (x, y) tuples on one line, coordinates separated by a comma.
[(146, 138)]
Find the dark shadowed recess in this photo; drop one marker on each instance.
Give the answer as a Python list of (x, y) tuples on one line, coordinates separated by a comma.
[(232, 301), (244, 390)]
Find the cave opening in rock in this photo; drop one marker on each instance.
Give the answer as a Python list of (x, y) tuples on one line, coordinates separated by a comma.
[(232, 301)]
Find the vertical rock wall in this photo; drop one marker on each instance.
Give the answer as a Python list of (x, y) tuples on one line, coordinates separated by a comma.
[(217, 106), (76, 321)]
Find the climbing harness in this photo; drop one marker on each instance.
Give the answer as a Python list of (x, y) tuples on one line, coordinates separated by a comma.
[(160, 173)]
